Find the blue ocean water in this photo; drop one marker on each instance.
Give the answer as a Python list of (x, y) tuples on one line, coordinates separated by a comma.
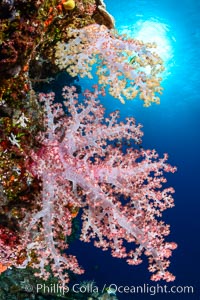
[(172, 127)]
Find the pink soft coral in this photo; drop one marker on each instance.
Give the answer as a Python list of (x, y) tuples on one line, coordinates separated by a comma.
[(120, 193)]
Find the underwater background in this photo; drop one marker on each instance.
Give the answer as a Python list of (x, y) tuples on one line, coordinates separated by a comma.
[(171, 127)]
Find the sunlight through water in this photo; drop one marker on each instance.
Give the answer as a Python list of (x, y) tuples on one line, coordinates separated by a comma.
[(154, 32)]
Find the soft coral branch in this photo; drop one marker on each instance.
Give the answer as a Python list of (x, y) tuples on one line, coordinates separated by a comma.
[(121, 193), (128, 67)]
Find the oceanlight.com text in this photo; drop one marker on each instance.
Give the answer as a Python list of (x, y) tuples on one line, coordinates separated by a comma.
[(151, 289)]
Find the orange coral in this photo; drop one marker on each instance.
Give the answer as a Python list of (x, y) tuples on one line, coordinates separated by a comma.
[(3, 268), (59, 8)]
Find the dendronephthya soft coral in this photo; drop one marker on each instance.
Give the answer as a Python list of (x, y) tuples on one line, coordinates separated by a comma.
[(128, 67), (119, 192)]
